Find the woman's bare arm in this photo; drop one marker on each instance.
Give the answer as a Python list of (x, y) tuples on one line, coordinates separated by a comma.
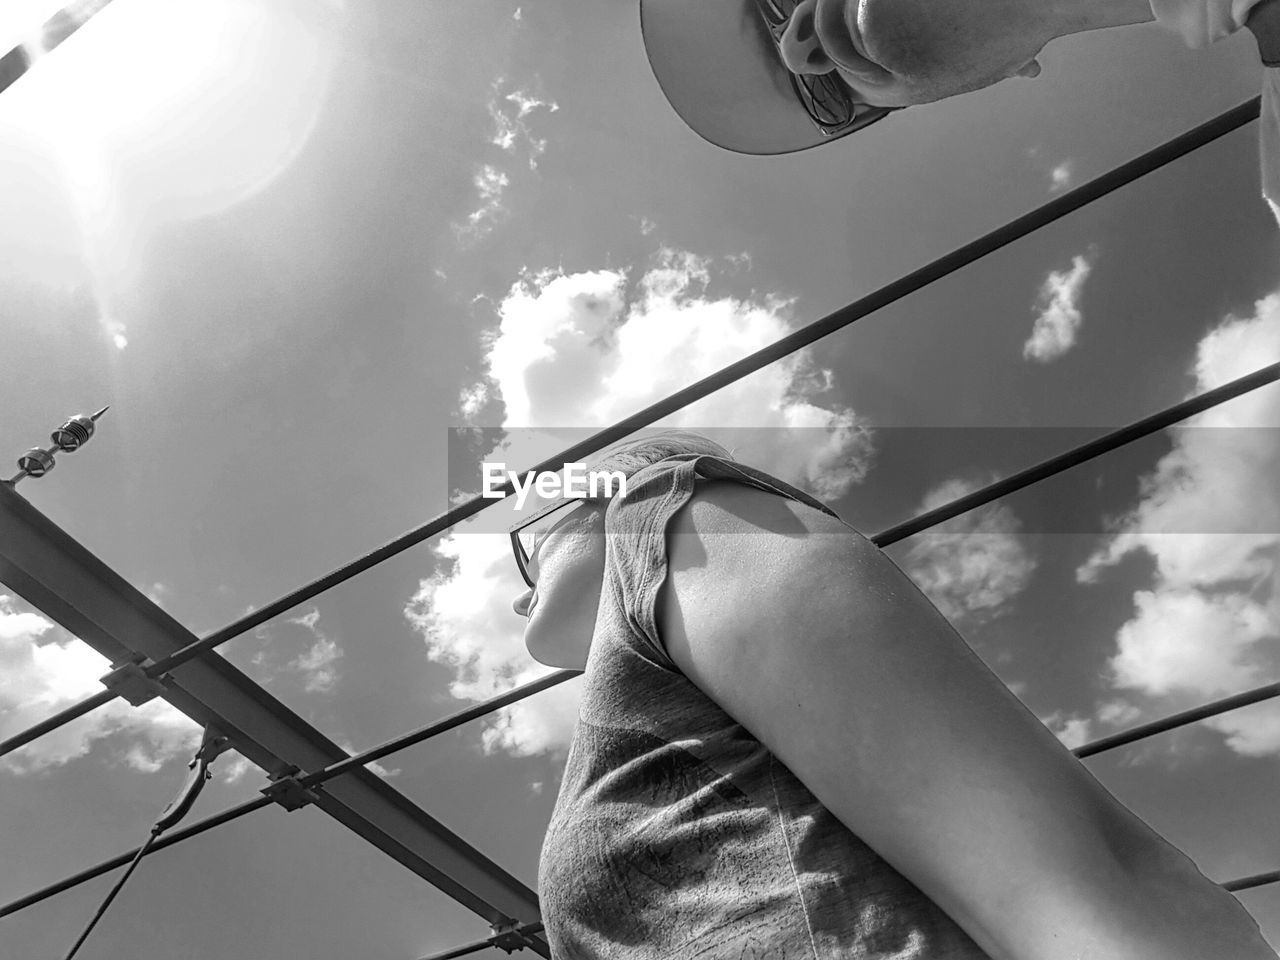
[(822, 648)]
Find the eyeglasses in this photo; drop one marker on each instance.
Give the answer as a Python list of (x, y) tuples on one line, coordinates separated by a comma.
[(825, 97), (526, 537)]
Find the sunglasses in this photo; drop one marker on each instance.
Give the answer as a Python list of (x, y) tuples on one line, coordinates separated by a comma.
[(528, 535), (825, 97)]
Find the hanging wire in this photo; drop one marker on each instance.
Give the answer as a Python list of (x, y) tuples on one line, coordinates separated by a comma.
[(102, 907), (1055, 209), (211, 744), (92, 873)]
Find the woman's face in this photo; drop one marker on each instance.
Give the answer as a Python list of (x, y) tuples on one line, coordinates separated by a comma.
[(567, 568)]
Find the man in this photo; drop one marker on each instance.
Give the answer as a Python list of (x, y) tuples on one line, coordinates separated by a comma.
[(776, 76)]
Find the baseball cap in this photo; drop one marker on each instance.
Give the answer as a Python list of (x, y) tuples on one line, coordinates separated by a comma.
[(719, 66)]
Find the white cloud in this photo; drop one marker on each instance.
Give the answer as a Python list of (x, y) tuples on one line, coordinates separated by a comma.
[(490, 184), (231, 768), (116, 331), (584, 350), (1209, 518), (527, 103), (1059, 317), (472, 400), (511, 131), (375, 766), (1118, 713), (43, 670), (1072, 731), (463, 612), (973, 565), (509, 109), (1061, 175), (317, 663)]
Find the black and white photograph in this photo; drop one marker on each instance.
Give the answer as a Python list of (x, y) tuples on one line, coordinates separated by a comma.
[(640, 479)]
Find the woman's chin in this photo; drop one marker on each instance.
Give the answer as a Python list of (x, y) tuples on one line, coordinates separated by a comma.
[(540, 650)]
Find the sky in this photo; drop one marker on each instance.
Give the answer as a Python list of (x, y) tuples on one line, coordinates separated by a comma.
[(299, 247)]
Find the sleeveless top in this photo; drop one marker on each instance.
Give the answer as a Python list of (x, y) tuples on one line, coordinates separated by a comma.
[(676, 834)]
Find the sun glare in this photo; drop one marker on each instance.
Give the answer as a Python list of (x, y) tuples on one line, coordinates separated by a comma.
[(194, 105), (155, 111)]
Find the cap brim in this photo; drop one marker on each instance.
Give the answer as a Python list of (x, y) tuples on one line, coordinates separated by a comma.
[(720, 69)]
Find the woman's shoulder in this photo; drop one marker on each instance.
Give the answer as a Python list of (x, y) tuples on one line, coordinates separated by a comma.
[(734, 551), (723, 508)]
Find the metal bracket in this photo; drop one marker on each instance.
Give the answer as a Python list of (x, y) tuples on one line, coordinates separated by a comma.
[(213, 745), (130, 682), (289, 792), (507, 936)]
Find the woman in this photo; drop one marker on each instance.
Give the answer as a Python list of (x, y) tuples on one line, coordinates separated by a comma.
[(785, 751)]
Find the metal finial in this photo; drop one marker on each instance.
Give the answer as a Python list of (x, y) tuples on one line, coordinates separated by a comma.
[(68, 438)]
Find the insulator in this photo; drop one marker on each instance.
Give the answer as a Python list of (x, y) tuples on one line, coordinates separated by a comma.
[(36, 462), (73, 433)]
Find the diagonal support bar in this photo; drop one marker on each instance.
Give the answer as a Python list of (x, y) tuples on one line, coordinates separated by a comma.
[(58, 575)]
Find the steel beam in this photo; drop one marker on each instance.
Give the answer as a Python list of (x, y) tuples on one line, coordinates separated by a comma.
[(15, 63), (59, 576)]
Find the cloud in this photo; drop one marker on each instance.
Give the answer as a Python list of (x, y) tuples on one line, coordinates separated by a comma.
[(463, 613), (232, 767), (1060, 176), (509, 109), (316, 664), (1059, 317), (1209, 517), (116, 331), (584, 350), (1072, 730), (974, 565), (1119, 713), (490, 184), (44, 670), (375, 766)]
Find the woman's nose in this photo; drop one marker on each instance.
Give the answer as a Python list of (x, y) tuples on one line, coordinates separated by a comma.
[(521, 603), (801, 51)]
